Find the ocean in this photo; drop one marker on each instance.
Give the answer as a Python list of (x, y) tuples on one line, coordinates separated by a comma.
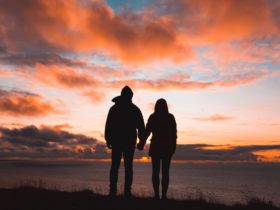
[(223, 182)]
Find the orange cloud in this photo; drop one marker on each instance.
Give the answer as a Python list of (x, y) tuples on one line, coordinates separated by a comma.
[(272, 155), (70, 25), (61, 76), (62, 126), (217, 147), (208, 21), (240, 20), (168, 30), (216, 117), (69, 78), (19, 104)]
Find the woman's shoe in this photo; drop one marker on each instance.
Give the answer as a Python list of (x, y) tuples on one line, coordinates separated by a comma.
[(163, 197)]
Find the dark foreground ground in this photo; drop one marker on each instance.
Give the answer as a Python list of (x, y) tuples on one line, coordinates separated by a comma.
[(30, 198)]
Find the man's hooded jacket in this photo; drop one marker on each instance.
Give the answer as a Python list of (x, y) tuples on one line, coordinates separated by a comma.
[(123, 121)]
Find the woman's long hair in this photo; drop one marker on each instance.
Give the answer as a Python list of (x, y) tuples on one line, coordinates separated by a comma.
[(161, 106)]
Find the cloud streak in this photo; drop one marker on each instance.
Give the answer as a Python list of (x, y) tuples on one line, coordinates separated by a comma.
[(93, 82), (214, 118), (166, 84), (31, 59)]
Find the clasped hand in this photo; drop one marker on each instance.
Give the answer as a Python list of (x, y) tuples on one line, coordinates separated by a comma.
[(140, 146)]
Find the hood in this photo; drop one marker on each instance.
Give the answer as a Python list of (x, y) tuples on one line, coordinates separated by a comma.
[(120, 99)]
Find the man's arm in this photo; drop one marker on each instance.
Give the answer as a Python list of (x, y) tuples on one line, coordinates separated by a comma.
[(140, 127), (108, 129)]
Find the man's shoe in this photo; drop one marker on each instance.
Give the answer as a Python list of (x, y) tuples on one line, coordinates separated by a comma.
[(113, 193), (127, 194)]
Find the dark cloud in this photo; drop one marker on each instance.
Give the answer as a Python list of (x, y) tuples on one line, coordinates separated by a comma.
[(46, 141), (53, 142), (237, 153), (44, 136), (31, 59), (21, 103)]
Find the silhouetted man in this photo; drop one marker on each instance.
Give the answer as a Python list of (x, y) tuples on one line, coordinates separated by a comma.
[(123, 120)]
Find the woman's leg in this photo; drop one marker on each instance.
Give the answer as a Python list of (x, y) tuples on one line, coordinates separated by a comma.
[(155, 176), (165, 176)]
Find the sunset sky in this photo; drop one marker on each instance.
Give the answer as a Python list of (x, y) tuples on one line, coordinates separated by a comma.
[(216, 62)]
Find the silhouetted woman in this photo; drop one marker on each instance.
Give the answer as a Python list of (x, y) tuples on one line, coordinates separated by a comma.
[(162, 125)]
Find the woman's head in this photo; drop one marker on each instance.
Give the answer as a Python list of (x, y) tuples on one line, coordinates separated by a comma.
[(161, 106)]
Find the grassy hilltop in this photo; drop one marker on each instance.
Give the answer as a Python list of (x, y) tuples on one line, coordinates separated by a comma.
[(31, 198)]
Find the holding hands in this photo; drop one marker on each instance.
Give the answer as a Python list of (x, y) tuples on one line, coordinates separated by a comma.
[(140, 146)]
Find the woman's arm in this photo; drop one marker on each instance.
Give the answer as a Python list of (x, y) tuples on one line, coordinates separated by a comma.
[(148, 129), (173, 133), (147, 133)]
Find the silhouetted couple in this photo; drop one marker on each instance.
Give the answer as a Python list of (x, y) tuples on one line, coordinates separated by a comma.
[(124, 123)]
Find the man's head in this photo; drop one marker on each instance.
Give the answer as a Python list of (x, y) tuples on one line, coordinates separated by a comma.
[(127, 93)]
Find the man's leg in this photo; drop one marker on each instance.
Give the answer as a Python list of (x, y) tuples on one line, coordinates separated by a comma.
[(165, 176), (155, 176), (128, 155), (115, 164)]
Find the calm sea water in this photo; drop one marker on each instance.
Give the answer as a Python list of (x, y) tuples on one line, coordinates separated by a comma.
[(225, 182)]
